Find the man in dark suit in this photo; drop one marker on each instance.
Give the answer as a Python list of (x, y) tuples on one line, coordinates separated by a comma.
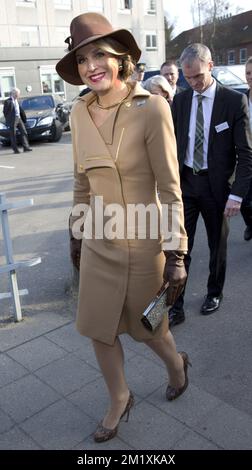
[(169, 70), (15, 118), (213, 138), (246, 207)]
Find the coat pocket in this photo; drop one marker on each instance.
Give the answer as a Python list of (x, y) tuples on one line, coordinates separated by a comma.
[(98, 161)]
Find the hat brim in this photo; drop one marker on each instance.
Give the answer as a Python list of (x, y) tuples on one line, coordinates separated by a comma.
[(67, 67)]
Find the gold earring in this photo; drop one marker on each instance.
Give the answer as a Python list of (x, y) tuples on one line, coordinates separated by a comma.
[(120, 67)]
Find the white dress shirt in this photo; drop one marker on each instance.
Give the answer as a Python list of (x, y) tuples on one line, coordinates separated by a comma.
[(207, 108)]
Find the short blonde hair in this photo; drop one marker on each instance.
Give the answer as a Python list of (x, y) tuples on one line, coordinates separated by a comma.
[(160, 81), (119, 51)]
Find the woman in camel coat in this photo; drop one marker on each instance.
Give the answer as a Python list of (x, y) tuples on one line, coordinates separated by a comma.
[(123, 147)]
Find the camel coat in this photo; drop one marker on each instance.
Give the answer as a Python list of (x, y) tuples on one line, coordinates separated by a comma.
[(124, 161)]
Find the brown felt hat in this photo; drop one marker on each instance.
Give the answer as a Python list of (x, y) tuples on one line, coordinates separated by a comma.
[(87, 28)]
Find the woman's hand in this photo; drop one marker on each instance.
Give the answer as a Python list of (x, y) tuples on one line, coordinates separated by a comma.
[(175, 274)]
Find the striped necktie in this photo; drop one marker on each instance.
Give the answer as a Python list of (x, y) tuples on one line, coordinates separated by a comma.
[(199, 137)]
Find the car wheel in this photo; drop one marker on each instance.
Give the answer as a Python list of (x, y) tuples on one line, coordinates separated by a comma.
[(56, 132)]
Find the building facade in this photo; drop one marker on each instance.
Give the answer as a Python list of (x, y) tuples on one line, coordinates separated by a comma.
[(32, 34), (229, 38)]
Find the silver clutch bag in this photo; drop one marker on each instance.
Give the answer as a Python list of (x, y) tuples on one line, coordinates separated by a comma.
[(154, 313)]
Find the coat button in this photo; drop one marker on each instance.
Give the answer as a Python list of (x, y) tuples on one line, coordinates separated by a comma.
[(81, 167)]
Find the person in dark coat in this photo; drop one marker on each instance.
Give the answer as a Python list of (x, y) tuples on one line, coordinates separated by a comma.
[(15, 118), (246, 207), (213, 139)]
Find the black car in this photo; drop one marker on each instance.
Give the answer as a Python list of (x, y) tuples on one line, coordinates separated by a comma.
[(46, 118)]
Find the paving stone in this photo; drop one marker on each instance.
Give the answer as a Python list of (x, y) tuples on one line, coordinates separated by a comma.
[(37, 353), (189, 408), (94, 392), (31, 327), (5, 422), (146, 378), (26, 396), (67, 374), (149, 428), (227, 427), (193, 441), (59, 426), (16, 439), (10, 370), (68, 338)]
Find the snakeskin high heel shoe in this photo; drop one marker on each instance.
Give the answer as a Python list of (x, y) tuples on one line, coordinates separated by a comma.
[(171, 392), (103, 434)]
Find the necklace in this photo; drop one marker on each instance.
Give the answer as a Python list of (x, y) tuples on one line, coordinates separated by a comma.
[(114, 104)]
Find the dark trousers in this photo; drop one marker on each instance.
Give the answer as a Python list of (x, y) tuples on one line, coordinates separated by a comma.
[(198, 199), (18, 124), (246, 207)]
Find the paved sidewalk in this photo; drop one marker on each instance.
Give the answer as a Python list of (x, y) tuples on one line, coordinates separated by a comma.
[(52, 394), (51, 391)]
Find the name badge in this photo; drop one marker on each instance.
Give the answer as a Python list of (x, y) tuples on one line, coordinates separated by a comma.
[(221, 127)]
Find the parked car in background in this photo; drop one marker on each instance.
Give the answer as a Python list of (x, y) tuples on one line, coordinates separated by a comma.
[(46, 115), (228, 75)]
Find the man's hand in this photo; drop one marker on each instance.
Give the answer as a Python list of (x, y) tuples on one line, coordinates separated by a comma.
[(232, 208), (175, 274)]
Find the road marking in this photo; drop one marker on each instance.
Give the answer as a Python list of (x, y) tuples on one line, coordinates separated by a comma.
[(4, 166)]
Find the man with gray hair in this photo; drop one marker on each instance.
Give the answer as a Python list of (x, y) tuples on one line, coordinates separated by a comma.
[(213, 137), (15, 119)]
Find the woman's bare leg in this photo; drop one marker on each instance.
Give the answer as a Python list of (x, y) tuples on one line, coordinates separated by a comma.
[(111, 362), (165, 348)]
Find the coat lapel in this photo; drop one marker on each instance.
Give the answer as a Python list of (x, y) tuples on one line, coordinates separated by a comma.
[(216, 116)]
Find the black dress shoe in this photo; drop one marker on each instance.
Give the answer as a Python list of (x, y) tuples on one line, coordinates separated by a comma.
[(16, 151), (248, 233), (28, 149), (176, 317), (210, 304)]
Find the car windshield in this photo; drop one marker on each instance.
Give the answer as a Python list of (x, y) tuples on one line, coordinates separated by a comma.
[(37, 102), (226, 77)]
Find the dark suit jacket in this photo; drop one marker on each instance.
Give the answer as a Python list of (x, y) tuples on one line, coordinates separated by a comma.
[(9, 112), (179, 89), (225, 148)]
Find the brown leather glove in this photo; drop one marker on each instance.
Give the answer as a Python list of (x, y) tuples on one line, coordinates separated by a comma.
[(175, 274), (75, 248)]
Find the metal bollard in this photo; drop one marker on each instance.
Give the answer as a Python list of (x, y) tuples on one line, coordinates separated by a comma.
[(11, 266)]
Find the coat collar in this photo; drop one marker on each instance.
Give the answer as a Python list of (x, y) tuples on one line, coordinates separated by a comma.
[(137, 91)]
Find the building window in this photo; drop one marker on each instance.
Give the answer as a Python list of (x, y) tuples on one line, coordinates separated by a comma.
[(51, 81), (231, 57), (243, 56), (29, 36), (26, 3), (63, 4), (151, 41), (95, 5), (7, 81), (151, 7), (219, 59), (125, 5)]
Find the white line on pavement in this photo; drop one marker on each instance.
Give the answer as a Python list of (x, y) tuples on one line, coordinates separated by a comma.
[(4, 166)]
